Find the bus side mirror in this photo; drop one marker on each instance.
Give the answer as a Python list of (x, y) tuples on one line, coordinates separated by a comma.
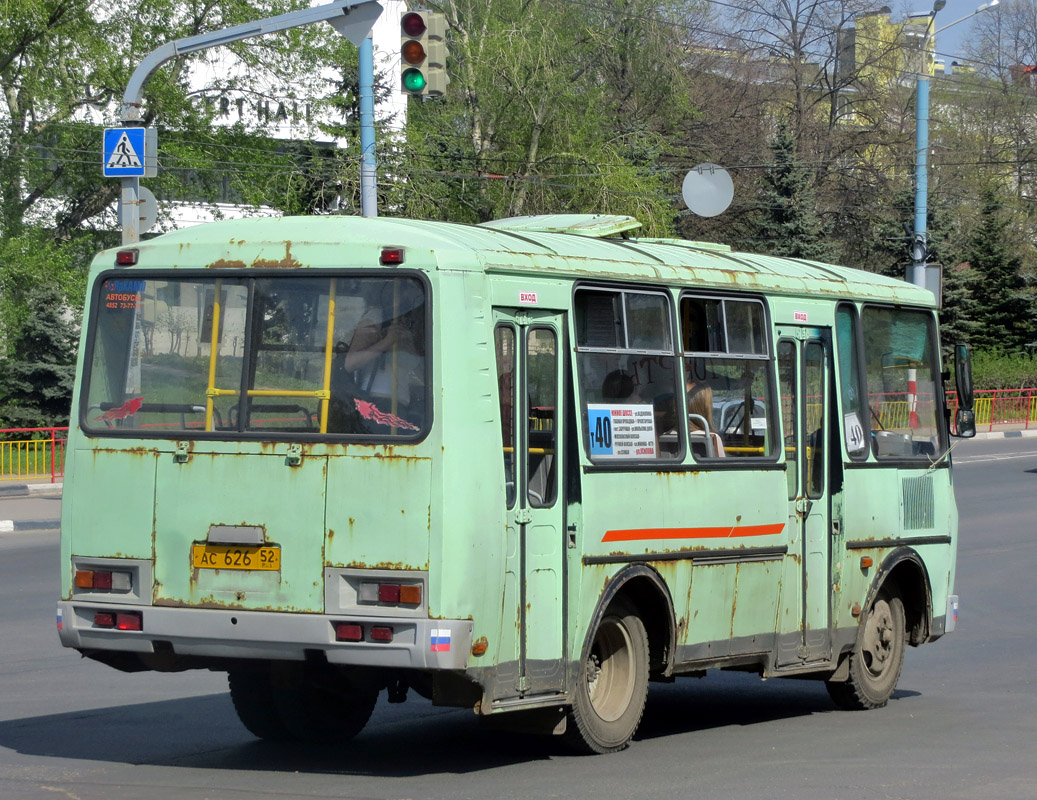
[(965, 418)]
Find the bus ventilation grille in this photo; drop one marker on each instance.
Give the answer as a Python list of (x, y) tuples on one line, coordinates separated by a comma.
[(918, 503)]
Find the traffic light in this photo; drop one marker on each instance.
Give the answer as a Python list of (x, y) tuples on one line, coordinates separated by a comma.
[(423, 53)]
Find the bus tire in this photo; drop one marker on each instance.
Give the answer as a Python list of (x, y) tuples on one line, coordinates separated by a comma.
[(253, 699), (877, 657), (612, 684), (320, 706)]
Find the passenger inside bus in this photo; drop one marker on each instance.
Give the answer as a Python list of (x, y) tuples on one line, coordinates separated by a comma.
[(617, 385), (700, 420)]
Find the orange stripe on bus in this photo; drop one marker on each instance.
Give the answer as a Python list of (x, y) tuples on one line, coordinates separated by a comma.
[(640, 534)]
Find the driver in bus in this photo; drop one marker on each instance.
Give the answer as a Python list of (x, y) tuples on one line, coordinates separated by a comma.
[(390, 335)]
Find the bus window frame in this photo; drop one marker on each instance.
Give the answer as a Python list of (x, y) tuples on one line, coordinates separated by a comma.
[(862, 385), (634, 464), (939, 399), (768, 356), (249, 277)]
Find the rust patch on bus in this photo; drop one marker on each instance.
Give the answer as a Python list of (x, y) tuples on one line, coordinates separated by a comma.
[(130, 451), (210, 602), (223, 263), (288, 262), (395, 565)]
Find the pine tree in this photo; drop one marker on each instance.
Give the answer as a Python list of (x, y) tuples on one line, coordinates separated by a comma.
[(36, 380), (958, 323), (789, 224), (1002, 306)]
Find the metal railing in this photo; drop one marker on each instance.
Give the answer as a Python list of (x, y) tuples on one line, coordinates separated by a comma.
[(37, 453), (994, 407)]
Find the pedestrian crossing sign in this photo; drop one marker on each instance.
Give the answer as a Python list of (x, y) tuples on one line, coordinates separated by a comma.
[(129, 152)]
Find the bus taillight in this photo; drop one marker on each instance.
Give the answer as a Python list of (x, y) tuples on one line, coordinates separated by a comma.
[(129, 621), (348, 632), (120, 620), (390, 593), (103, 580)]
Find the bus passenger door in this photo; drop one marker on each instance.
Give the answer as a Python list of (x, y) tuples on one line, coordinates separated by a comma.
[(804, 363), (529, 376)]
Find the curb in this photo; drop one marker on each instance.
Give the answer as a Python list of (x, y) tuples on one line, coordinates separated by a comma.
[(29, 489), (1027, 434), (19, 526)]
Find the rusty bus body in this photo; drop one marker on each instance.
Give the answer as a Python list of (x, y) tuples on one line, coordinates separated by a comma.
[(522, 467)]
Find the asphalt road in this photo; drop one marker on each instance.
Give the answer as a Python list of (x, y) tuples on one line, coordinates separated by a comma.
[(962, 724)]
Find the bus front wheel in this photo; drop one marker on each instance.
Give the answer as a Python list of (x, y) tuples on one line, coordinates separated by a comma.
[(612, 686), (877, 657)]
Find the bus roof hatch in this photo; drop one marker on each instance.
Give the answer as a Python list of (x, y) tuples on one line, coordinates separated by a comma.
[(597, 226)]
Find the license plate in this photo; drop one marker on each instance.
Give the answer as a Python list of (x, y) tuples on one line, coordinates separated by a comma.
[(235, 556)]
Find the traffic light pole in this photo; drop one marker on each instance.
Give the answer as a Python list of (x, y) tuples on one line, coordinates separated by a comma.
[(920, 244), (368, 166), (351, 18)]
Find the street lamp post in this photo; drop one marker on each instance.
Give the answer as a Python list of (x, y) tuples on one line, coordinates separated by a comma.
[(920, 241)]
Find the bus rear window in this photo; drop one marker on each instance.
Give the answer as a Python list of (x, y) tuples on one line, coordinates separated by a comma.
[(269, 356)]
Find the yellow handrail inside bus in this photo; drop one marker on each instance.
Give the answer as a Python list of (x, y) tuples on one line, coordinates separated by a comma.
[(214, 352), (320, 394), (328, 343)]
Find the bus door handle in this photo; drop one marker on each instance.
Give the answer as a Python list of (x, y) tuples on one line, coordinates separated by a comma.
[(523, 516), (803, 506)]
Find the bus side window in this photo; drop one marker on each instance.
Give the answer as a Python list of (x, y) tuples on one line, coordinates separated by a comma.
[(728, 379), (628, 376), (542, 390), (504, 344), (847, 337)]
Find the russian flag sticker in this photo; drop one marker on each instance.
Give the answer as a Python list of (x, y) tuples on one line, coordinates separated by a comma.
[(440, 640), (59, 619)]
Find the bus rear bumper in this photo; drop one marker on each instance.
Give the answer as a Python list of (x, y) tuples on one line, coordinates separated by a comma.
[(425, 644)]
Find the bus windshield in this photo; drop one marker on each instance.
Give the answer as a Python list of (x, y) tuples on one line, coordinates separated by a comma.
[(258, 356)]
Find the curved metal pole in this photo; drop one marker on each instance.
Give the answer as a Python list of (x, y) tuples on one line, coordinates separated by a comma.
[(361, 17)]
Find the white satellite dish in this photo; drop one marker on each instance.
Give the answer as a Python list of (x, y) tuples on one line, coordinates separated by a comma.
[(708, 190)]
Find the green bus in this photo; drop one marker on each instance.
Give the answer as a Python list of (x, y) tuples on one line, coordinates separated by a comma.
[(524, 468)]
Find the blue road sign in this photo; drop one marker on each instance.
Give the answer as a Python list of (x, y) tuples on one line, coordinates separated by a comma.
[(124, 155)]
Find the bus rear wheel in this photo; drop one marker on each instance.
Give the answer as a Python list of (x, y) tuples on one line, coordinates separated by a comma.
[(612, 686), (289, 701), (877, 657)]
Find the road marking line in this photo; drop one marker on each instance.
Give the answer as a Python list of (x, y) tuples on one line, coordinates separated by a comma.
[(979, 459)]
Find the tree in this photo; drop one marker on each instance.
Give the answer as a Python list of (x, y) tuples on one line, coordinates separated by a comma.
[(787, 223), (958, 323), (551, 107), (1002, 304), (36, 380), (64, 65)]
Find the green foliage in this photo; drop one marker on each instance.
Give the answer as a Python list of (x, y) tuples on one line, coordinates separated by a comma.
[(958, 321), (551, 108), (36, 378), (999, 370), (999, 290), (788, 223), (30, 261)]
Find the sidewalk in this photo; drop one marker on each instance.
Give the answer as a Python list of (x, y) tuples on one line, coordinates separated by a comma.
[(1009, 431), (31, 488)]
